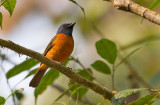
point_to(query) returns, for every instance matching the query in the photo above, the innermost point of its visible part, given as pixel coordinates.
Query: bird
(59, 49)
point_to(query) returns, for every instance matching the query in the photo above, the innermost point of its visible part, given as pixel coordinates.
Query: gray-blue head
(66, 28)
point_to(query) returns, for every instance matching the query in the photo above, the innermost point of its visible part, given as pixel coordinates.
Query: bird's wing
(50, 45)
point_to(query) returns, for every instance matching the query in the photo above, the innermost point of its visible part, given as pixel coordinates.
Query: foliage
(3, 100)
(26, 65)
(73, 1)
(76, 88)
(107, 50)
(50, 76)
(19, 95)
(31, 72)
(154, 4)
(119, 97)
(9, 5)
(144, 100)
(101, 67)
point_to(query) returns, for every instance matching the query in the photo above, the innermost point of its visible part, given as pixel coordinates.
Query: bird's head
(66, 28)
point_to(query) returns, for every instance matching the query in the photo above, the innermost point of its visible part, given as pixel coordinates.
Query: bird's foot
(69, 68)
(59, 63)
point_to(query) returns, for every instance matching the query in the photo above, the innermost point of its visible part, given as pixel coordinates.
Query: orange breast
(62, 49)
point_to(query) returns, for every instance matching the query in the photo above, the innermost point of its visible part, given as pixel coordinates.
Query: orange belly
(62, 49)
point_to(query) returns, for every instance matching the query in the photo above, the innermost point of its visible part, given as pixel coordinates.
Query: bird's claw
(59, 63)
(69, 68)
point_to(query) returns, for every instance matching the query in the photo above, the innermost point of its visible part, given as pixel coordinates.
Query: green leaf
(119, 97)
(154, 4)
(31, 72)
(17, 90)
(19, 95)
(48, 79)
(10, 5)
(73, 1)
(131, 53)
(26, 65)
(77, 88)
(1, 19)
(144, 100)
(101, 67)
(86, 74)
(2, 100)
(107, 50)
(80, 91)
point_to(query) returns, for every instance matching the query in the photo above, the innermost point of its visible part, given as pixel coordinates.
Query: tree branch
(84, 68)
(105, 92)
(129, 6)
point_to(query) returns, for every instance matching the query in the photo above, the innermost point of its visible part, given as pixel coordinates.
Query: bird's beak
(72, 24)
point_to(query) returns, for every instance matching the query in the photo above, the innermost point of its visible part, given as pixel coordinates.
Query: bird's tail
(37, 77)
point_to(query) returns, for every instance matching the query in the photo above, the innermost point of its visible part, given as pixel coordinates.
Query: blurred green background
(35, 22)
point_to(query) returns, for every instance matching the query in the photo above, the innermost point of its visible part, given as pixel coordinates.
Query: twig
(113, 69)
(78, 61)
(105, 92)
(129, 6)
